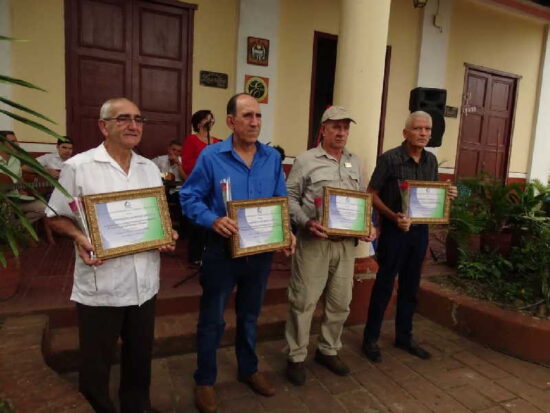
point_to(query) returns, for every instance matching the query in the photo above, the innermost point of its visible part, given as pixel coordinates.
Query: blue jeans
(219, 275)
(398, 253)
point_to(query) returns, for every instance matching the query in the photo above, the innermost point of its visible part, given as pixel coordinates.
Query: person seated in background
(202, 122)
(53, 162)
(29, 205)
(170, 163)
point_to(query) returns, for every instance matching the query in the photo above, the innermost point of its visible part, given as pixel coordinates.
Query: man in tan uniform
(321, 263)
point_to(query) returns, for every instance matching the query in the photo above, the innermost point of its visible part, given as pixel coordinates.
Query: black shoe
(333, 363)
(296, 373)
(372, 351)
(414, 349)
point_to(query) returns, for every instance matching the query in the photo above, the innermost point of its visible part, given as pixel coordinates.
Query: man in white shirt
(116, 297)
(170, 163)
(53, 162)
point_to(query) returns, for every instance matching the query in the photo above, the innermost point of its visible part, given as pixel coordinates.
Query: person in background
(171, 162)
(202, 122)
(31, 207)
(53, 162)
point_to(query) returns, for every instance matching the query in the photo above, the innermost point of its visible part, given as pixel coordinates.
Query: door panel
(485, 128)
(129, 48)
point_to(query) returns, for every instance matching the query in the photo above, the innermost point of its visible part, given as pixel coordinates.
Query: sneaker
(259, 383)
(372, 351)
(333, 363)
(414, 349)
(205, 399)
(296, 373)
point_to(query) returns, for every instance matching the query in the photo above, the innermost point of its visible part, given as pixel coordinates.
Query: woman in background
(202, 122)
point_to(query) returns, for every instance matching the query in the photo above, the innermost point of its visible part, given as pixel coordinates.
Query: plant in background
(14, 227)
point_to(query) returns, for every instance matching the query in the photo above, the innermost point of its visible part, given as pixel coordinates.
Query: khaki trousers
(319, 266)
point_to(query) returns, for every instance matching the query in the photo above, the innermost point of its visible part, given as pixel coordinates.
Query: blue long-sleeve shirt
(201, 196)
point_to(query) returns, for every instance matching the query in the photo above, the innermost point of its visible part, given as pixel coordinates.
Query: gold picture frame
(365, 230)
(131, 221)
(445, 208)
(237, 212)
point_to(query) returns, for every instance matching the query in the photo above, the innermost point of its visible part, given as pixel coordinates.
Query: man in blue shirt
(255, 171)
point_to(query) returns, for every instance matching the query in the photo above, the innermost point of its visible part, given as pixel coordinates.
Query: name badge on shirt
(347, 164)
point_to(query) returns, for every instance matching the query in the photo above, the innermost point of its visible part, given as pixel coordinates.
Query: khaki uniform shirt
(314, 170)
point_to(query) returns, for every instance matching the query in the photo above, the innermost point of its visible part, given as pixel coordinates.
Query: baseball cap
(336, 113)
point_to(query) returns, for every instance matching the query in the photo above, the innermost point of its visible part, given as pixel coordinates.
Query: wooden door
(141, 50)
(486, 122)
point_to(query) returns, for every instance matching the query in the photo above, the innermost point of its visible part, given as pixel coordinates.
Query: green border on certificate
(264, 225)
(346, 212)
(427, 202)
(127, 222)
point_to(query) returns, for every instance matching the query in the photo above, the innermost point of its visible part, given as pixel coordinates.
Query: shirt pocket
(323, 177)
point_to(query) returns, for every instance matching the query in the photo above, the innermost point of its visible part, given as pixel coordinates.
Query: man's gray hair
(416, 115)
(105, 111)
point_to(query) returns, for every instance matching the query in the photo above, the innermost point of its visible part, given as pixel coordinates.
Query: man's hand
(172, 246)
(372, 236)
(403, 222)
(452, 192)
(84, 248)
(54, 172)
(225, 226)
(292, 248)
(315, 227)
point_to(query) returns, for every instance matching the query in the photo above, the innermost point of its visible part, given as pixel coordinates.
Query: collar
(101, 155)
(227, 146)
(405, 155)
(320, 152)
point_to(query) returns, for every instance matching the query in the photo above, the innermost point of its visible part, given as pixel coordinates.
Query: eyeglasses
(127, 119)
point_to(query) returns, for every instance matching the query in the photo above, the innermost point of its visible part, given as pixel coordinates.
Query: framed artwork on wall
(257, 51)
(257, 87)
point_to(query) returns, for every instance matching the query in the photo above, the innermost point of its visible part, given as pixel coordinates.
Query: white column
(540, 146)
(360, 75)
(6, 123)
(259, 18)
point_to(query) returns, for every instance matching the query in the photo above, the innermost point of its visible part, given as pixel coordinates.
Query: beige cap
(336, 113)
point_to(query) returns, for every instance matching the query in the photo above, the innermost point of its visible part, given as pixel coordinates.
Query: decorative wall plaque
(257, 87)
(257, 51)
(213, 79)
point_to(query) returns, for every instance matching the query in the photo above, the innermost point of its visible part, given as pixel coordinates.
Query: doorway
(486, 121)
(137, 49)
(322, 81)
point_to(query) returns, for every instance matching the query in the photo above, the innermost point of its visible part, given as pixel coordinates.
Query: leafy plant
(14, 227)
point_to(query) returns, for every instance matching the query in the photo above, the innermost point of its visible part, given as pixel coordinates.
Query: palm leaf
(25, 109)
(19, 82)
(12, 39)
(32, 123)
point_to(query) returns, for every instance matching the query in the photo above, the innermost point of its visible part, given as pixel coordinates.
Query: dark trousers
(398, 253)
(99, 330)
(220, 274)
(197, 239)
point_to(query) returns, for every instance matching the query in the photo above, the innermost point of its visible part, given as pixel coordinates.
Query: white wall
(260, 18)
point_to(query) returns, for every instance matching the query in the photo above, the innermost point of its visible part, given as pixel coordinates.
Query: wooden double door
(137, 49)
(486, 122)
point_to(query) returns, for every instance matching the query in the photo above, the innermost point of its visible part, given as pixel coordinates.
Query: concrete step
(174, 334)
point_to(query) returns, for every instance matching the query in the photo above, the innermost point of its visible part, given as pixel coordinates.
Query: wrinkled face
(126, 134)
(335, 134)
(419, 132)
(247, 121)
(65, 150)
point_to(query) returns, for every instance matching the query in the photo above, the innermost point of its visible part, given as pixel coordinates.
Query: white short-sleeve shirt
(51, 161)
(123, 281)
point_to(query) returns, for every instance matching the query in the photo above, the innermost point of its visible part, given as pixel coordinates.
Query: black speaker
(432, 101)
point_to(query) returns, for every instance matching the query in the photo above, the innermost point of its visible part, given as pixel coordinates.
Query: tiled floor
(462, 376)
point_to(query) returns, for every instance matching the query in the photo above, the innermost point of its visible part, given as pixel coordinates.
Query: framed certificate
(126, 222)
(264, 225)
(426, 202)
(346, 212)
